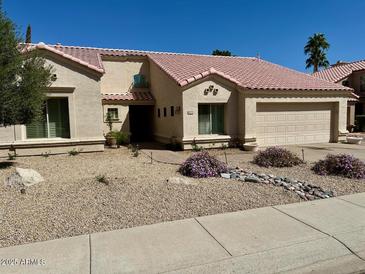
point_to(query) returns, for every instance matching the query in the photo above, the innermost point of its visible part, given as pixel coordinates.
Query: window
(164, 112)
(113, 112)
(211, 119)
(139, 81)
(172, 111)
(158, 113)
(54, 122)
(362, 83)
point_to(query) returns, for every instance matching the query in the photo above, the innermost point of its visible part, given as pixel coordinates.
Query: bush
(201, 165)
(102, 179)
(74, 152)
(121, 137)
(341, 165)
(276, 157)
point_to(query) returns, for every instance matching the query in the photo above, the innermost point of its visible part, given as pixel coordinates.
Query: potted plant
(111, 140)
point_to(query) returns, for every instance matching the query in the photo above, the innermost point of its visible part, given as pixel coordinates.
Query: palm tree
(316, 49)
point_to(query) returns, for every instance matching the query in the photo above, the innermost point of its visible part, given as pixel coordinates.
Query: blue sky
(276, 29)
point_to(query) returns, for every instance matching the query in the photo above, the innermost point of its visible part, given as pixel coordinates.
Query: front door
(141, 120)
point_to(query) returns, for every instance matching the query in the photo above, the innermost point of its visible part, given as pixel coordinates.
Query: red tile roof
(246, 72)
(337, 73)
(130, 96)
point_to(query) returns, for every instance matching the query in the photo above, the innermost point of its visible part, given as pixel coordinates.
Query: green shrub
(195, 146)
(134, 149)
(11, 157)
(121, 137)
(102, 179)
(74, 152)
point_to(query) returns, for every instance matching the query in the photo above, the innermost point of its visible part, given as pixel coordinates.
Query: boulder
(24, 177)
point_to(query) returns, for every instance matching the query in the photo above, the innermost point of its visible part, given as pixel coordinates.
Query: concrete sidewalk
(323, 236)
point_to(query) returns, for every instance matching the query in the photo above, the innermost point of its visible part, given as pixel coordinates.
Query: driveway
(314, 152)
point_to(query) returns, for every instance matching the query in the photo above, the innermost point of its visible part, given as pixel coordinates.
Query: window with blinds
(54, 122)
(211, 118)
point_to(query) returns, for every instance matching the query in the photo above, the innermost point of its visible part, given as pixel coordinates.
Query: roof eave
(42, 46)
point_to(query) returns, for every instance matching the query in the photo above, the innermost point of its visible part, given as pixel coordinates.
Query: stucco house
(349, 74)
(210, 100)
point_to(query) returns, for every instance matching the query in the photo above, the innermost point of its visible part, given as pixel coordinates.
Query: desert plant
(344, 165)
(276, 157)
(134, 149)
(102, 179)
(121, 137)
(45, 154)
(11, 157)
(109, 121)
(74, 152)
(201, 165)
(195, 146)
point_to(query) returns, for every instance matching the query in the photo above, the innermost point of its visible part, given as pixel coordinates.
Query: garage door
(288, 123)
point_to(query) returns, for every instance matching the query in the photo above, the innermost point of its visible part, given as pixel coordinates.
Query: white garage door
(292, 123)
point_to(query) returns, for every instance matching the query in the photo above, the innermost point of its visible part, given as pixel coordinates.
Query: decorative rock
(252, 179)
(23, 177)
(226, 175)
(235, 176)
(305, 190)
(242, 178)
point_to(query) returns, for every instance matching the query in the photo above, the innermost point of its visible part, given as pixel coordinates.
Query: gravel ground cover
(72, 202)
(340, 185)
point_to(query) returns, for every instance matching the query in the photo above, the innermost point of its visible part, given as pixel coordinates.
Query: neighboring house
(207, 100)
(351, 75)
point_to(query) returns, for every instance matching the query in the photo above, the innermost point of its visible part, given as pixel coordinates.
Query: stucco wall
(195, 95)
(354, 81)
(249, 100)
(166, 93)
(7, 134)
(119, 72)
(85, 109)
(123, 114)
(82, 88)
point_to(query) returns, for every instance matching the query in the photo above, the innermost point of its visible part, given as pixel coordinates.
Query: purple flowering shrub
(341, 165)
(276, 157)
(201, 165)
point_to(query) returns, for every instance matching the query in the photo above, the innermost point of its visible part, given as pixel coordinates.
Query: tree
(221, 52)
(316, 50)
(28, 36)
(24, 77)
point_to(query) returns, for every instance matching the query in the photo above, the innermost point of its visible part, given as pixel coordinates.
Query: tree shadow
(4, 165)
